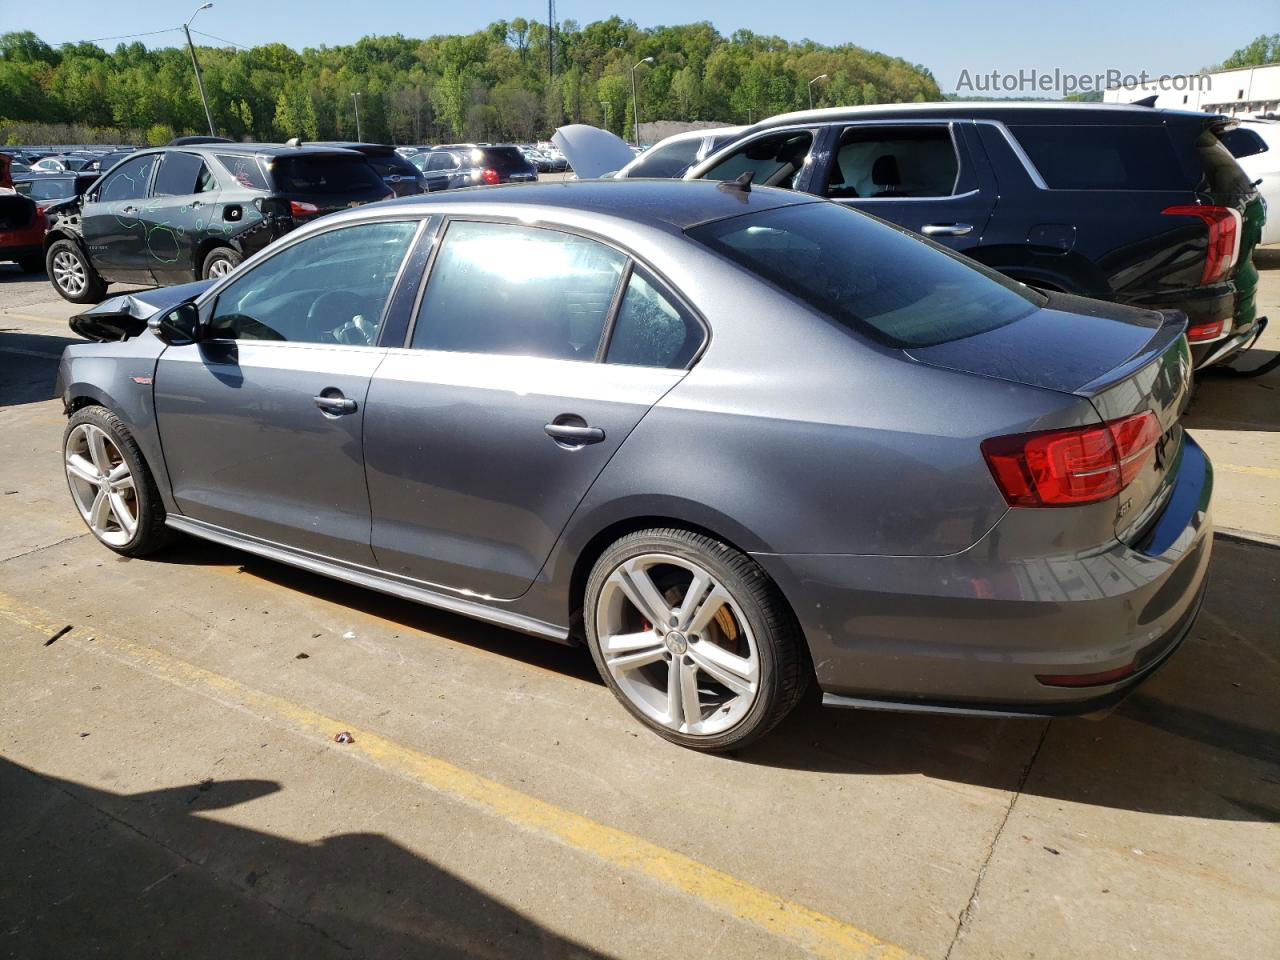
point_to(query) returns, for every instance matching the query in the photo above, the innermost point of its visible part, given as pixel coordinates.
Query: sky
(1084, 37)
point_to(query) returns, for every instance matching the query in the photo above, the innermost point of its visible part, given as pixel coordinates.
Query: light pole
(811, 83)
(355, 98)
(195, 65)
(635, 103)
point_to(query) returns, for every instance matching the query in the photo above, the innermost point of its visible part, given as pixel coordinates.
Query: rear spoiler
(1173, 327)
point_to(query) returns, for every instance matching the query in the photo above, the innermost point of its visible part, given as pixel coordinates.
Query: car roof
(662, 203)
(252, 149)
(1034, 111)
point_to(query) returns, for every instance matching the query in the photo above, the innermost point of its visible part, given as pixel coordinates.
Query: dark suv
(401, 177)
(472, 165)
(1124, 203)
(179, 214)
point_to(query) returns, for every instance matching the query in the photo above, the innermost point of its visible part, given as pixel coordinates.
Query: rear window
(670, 160)
(325, 176)
(244, 169)
(1084, 157)
(386, 165)
(1221, 172)
(889, 284)
(54, 188)
(503, 159)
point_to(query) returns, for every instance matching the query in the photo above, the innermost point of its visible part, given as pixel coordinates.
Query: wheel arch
(207, 246)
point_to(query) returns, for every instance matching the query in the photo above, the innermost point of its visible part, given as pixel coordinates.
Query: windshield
(888, 283)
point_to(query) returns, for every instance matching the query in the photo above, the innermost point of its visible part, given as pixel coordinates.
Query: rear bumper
(1220, 302)
(970, 633)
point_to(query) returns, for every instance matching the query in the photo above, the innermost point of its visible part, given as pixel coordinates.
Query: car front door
(261, 421)
(111, 221)
(919, 175)
(485, 432)
(177, 216)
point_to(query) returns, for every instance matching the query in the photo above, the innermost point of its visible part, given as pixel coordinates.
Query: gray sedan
(737, 442)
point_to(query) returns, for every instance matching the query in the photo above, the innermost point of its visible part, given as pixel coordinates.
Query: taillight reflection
(300, 209)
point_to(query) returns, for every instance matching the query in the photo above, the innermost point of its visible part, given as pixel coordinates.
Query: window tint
(1242, 142)
(1221, 172)
(905, 161)
(129, 180)
(326, 176)
(502, 159)
(886, 282)
(650, 330)
(1083, 157)
(52, 188)
(180, 174)
(329, 288)
(504, 288)
(670, 160)
(245, 170)
(776, 160)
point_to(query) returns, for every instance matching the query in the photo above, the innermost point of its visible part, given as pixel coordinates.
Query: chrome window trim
(1018, 152)
(949, 123)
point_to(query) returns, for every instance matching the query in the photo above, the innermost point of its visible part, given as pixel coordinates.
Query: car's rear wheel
(110, 484)
(219, 263)
(694, 638)
(72, 274)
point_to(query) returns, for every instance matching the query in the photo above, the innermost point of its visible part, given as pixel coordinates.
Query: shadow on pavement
(1200, 738)
(29, 364)
(89, 871)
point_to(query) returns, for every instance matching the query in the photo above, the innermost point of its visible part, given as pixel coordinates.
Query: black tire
(150, 534)
(94, 289)
(784, 665)
(31, 264)
(219, 258)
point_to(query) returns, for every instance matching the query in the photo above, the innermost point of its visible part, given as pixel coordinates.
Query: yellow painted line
(35, 318)
(818, 934)
(1273, 472)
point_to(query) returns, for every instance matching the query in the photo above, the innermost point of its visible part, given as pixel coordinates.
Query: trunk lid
(1124, 361)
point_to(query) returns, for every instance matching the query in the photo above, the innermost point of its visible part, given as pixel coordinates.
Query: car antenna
(741, 185)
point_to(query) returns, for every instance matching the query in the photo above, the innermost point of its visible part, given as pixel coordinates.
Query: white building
(1237, 93)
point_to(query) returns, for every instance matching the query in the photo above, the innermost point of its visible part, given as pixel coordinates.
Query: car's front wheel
(110, 484)
(694, 638)
(72, 274)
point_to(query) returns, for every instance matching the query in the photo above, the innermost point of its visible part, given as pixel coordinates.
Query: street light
(635, 103)
(355, 98)
(811, 83)
(195, 65)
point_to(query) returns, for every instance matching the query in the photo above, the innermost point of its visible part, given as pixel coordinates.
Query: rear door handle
(570, 434)
(335, 405)
(946, 229)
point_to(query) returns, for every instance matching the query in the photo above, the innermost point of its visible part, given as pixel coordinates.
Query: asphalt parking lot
(170, 784)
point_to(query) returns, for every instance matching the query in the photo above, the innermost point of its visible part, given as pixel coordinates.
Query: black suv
(178, 214)
(1117, 202)
(473, 165)
(401, 177)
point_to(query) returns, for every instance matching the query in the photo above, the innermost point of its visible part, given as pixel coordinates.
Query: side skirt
(370, 580)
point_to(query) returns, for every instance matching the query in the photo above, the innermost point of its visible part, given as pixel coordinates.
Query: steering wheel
(356, 330)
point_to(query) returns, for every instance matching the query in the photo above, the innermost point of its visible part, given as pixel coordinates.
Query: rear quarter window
(244, 169)
(1103, 157)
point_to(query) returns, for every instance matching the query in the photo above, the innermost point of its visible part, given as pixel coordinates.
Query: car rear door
(919, 175)
(111, 221)
(179, 215)
(485, 432)
(262, 420)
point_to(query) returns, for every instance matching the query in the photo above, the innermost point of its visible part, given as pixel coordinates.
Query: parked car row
(469, 165)
(1113, 202)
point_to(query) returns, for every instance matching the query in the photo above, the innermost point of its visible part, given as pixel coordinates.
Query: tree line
(495, 84)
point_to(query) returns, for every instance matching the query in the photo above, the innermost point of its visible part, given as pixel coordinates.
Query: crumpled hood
(126, 315)
(592, 152)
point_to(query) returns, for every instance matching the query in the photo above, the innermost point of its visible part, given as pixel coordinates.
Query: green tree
(1263, 50)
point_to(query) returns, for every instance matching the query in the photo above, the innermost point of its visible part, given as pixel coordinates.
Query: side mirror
(177, 327)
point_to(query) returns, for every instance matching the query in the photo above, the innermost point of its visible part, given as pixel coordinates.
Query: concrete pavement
(170, 783)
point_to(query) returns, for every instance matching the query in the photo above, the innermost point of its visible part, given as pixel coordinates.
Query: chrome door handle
(570, 434)
(335, 405)
(946, 229)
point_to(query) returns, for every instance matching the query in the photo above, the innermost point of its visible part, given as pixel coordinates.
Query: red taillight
(300, 208)
(490, 176)
(1224, 225)
(1204, 331)
(1066, 468)
(1087, 679)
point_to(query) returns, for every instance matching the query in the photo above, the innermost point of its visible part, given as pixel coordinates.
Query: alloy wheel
(69, 273)
(677, 644)
(102, 484)
(220, 268)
